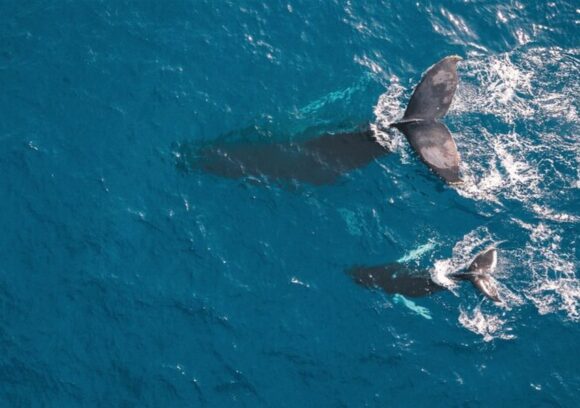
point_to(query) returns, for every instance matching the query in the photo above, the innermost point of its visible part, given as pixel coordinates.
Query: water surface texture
(130, 279)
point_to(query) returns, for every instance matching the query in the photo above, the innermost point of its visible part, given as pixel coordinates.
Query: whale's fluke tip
(454, 58)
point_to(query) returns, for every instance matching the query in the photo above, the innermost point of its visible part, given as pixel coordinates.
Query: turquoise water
(126, 281)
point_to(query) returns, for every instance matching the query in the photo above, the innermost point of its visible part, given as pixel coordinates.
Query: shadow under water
(321, 160)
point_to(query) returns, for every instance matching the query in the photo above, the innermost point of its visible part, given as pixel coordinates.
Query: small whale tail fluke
(431, 101)
(480, 273)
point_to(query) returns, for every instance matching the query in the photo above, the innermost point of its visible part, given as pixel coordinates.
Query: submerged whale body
(401, 278)
(323, 160)
(317, 161)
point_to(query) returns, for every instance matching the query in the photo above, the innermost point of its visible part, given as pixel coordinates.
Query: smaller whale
(404, 279)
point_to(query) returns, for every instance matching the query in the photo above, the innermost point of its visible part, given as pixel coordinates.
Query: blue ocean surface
(128, 279)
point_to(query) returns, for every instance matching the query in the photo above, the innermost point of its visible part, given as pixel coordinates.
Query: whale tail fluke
(431, 101)
(480, 273)
(434, 143)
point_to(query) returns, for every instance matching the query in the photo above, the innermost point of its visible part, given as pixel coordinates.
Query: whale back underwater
(317, 161)
(324, 159)
(402, 278)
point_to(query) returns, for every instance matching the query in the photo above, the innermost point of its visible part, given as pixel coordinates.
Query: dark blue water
(125, 281)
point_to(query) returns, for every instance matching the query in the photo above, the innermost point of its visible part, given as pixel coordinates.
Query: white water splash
(554, 285)
(388, 109)
(495, 86)
(295, 281)
(513, 88)
(441, 272)
(548, 213)
(489, 326)
(500, 170)
(561, 294)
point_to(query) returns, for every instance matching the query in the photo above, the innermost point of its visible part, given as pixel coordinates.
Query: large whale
(404, 279)
(323, 160)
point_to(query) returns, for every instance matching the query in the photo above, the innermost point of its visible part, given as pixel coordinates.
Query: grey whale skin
(429, 137)
(406, 280)
(324, 159)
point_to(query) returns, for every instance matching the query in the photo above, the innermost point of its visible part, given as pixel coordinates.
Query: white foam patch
(552, 215)
(295, 281)
(495, 168)
(489, 326)
(552, 295)
(508, 298)
(388, 109)
(524, 161)
(493, 85)
(553, 285)
(441, 271)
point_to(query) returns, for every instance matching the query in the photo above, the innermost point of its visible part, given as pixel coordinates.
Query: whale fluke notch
(431, 101)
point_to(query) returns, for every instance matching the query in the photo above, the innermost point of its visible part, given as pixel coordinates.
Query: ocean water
(127, 281)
